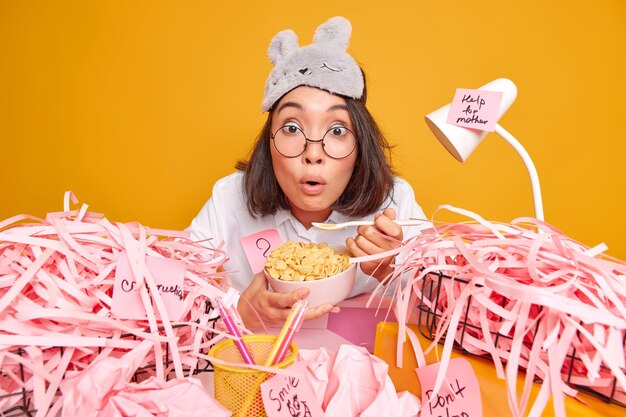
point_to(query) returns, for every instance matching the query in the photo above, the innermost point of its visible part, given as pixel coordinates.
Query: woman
(320, 157)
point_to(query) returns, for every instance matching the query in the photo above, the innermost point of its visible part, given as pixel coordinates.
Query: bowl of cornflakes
(325, 271)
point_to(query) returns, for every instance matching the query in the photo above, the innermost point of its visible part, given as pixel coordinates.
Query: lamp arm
(532, 172)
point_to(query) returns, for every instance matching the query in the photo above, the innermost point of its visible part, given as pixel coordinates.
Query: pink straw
(232, 328)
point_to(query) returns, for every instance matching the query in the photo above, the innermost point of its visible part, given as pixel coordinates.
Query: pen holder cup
(239, 389)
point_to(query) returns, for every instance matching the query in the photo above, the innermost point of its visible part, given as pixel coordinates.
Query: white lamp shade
(461, 141)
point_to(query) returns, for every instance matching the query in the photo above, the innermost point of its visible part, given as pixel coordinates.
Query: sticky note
(290, 396)
(168, 276)
(475, 109)
(458, 396)
(258, 246)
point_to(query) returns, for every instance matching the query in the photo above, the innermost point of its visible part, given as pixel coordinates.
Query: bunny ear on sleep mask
(324, 64)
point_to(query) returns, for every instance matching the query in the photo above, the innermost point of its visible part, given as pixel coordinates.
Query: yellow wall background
(140, 106)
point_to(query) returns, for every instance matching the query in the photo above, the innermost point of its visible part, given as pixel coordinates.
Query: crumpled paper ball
(352, 382)
(104, 389)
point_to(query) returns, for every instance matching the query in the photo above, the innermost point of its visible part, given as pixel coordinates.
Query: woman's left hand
(370, 240)
(272, 308)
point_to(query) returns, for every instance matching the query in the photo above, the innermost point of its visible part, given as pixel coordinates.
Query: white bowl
(331, 290)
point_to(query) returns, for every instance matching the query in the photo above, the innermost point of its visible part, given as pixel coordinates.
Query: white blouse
(225, 218)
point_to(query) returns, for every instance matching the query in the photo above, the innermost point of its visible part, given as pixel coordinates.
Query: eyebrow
(337, 107)
(289, 104)
(299, 106)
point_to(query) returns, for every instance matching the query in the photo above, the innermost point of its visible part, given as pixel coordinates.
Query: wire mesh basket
(430, 313)
(24, 404)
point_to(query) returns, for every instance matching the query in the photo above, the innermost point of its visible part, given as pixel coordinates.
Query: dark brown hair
(370, 184)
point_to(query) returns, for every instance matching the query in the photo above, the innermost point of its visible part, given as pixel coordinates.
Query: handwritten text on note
(258, 246)
(475, 109)
(168, 276)
(287, 396)
(459, 395)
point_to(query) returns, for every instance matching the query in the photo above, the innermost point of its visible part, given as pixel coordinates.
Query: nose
(314, 152)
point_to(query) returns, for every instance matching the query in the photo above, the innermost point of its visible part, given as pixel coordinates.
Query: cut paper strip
(56, 283)
(524, 294)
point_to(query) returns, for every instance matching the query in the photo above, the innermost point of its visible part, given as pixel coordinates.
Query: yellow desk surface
(493, 390)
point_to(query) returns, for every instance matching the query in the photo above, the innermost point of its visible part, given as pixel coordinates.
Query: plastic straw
(291, 333)
(232, 328)
(281, 345)
(296, 310)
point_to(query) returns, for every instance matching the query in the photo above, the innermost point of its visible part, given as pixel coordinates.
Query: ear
(282, 45)
(335, 32)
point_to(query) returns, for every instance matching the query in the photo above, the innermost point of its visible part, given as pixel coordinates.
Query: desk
(493, 390)
(334, 330)
(355, 324)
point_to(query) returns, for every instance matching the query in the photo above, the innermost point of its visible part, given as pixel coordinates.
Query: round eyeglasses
(338, 142)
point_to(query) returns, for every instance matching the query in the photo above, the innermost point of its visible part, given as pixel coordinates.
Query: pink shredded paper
(56, 284)
(525, 294)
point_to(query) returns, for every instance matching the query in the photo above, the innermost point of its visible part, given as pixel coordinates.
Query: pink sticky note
(168, 276)
(289, 396)
(358, 325)
(258, 246)
(459, 395)
(475, 109)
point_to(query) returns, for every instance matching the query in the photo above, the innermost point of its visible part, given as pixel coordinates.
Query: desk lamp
(461, 141)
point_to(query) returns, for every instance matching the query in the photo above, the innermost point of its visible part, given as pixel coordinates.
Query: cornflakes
(299, 261)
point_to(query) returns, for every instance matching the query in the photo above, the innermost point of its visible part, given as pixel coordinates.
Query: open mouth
(312, 186)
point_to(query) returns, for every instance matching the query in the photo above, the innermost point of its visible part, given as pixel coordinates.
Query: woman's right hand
(272, 307)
